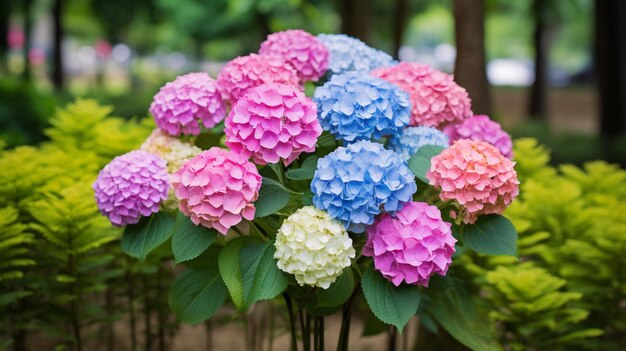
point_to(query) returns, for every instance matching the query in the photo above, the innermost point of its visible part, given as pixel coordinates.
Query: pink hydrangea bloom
(192, 98)
(411, 247)
(131, 186)
(216, 188)
(481, 127)
(246, 72)
(273, 122)
(477, 176)
(307, 54)
(435, 98)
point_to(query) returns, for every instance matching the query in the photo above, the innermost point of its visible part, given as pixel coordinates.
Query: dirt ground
(569, 109)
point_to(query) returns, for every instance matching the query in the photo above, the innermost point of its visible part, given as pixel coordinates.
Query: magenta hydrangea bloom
(476, 175)
(481, 127)
(131, 186)
(216, 188)
(436, 99)
(180, 106)
(307, 54)
(412, 246)
(246, 72)
(273, 122)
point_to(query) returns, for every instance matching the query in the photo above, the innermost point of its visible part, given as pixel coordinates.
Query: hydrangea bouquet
(369, 187)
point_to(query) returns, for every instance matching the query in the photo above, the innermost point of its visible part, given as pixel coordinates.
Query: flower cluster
(170, 149)
(412, 246)
(350, 54)
(313, 247)
(131, 186)
(273, 122)
(435, 98)
(246, 72)
(303, 51)
(355, 106)
(476, 175)
(180, 106)
(354, 183)
(481, 127)
(412, 138)
(216, 188)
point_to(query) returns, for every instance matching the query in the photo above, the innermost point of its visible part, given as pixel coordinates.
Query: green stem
(292, 322)
(344, 335)
(306, 344)
(321, 330)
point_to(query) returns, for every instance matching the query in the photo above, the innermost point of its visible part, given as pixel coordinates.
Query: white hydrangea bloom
(313, 247)
(174, 152)
(171, 149)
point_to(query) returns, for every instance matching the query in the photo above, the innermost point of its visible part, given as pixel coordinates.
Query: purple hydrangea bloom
(131, 186)
(483, 128)
(356, 106)
(355, 183)
(180, 106)
(412, 138)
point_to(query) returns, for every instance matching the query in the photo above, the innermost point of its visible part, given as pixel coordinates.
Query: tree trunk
(537, 108)
(4, 33)
(610, 55)
(399, 23)
(470, 67)
(355, 18)
(57, 60)
(27, 6)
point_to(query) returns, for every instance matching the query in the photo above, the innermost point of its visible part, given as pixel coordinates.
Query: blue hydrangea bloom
(355, 183)
(356, 106)
(350, 54)
(412, 138)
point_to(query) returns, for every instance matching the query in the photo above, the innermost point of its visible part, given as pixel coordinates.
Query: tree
(610, 55)
(57, 60)
(355, 18)
(537, 107)
(470, 66)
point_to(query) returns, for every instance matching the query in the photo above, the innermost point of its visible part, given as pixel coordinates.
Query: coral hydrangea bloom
(180, 106)
(216, 188)
(347, 54)
(355, 183)
(477, 176)
(435, 98)
(313, 247)
(412, 246)
(246, 72)
(131, 186)
(481, 127)
(412, 138)
(356, 106)
(273, 122)
(307, 54)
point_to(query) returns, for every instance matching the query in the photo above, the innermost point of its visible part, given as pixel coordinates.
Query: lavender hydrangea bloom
(355, 183)
(481, 127)
(350, 54)
(412, 138)
(131, 186)
(355, 106)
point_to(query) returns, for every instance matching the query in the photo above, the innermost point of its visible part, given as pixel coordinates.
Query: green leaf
(305, 172)
(451, 305)
(261, 277)
(230, 269)
(190, 240)
(492, 235)
(141, 238)
(419, 163)
(207, 140)
(197, 294)
(373, 326)
(272, 197)
(339, 291)
(391, 304)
